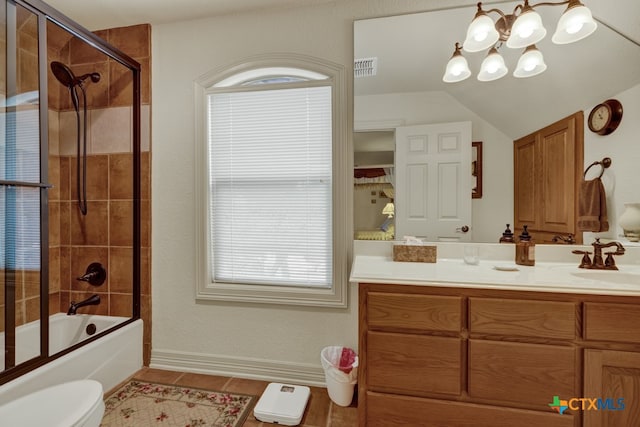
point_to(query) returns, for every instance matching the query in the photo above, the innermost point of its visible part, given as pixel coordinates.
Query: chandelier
(521, 29)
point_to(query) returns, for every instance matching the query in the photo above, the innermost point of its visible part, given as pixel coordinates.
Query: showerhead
(63, 74)
(66, 76)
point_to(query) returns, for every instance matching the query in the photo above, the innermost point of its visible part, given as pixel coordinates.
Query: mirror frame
(476, 169)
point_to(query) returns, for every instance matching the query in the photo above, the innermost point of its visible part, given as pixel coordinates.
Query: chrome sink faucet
(598, 263)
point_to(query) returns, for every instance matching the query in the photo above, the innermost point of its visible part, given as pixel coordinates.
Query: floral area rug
(141, 404)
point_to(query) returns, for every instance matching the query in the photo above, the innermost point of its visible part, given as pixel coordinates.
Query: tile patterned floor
(320, 412)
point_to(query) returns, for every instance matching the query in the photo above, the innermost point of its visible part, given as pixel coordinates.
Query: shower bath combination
(41, 232)
(66, 77)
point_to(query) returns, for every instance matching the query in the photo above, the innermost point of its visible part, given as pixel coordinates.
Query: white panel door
(433, 181)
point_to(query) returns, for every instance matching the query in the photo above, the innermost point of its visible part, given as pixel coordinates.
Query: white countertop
(543, 277)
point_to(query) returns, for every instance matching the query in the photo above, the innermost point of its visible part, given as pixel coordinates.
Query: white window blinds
(20, 206)
(270, 186)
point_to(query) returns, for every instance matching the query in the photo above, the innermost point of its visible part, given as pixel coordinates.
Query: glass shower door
(22, 191)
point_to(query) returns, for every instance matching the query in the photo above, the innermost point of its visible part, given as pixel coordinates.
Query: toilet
(72, 404)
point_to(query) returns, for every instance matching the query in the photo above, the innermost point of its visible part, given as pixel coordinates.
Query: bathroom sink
(609, 276)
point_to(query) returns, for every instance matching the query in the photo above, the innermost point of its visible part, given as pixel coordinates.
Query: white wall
(495, 208)
(255, 340)
(622, 179)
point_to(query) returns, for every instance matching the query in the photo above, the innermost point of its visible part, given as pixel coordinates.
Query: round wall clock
(605, 117)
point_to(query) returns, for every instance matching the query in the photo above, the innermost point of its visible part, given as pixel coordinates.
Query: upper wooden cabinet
(547, 175)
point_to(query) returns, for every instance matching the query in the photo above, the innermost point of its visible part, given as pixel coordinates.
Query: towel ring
(604, 163)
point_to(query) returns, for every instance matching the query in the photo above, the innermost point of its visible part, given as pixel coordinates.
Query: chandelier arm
(548, 3)
(498, 11)
(519, 7)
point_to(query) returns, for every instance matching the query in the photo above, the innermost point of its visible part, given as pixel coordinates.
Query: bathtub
(110, 359)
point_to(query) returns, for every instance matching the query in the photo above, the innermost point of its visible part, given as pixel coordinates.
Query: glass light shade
(531, 63)
(388, 210)
(526, 30)
(575, 24)
(457, 69)
(481, 34)
(493, 67)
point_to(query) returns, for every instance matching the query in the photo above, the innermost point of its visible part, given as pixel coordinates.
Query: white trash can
(340, 366)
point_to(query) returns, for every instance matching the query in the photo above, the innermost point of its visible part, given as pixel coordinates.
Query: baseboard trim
(239, 367)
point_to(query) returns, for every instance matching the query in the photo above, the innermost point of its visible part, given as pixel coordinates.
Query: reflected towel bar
(604, 163)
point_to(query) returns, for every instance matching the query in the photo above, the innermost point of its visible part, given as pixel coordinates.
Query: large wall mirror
(411, 52)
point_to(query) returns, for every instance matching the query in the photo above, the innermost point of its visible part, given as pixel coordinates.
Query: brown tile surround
(104, 235)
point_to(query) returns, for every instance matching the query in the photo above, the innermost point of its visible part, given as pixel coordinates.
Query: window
(272, 184)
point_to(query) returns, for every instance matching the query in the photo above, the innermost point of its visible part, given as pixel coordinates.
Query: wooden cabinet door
(525, 178)
(558, 167)
(547, 175)
(609, 376)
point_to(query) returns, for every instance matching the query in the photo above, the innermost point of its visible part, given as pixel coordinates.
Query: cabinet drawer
(522, 373)
(407, 364)
(525, 318)
(385, 410)
(414, 312)
(612, 322)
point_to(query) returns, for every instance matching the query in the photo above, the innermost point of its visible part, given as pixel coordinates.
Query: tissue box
(415, 253)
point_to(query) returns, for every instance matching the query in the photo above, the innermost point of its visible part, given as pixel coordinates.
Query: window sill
(282, 295)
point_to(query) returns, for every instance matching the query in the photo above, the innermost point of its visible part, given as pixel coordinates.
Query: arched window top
(270, 75)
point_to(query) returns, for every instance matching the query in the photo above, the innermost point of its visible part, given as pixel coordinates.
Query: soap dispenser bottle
(507, 236)
(525, 249)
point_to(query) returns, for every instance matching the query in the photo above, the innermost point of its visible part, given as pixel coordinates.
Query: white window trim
(337, 295)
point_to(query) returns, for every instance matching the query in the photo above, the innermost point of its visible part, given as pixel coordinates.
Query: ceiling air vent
(365, 67)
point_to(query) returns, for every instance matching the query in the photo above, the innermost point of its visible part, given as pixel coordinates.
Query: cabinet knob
(462, 229)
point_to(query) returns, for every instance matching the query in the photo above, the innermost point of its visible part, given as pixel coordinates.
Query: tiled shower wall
(105, 234)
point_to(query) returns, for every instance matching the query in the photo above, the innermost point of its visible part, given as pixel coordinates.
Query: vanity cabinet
(547, 175)
(439, 355)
